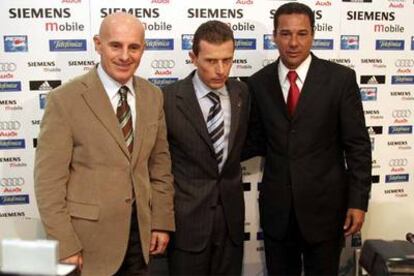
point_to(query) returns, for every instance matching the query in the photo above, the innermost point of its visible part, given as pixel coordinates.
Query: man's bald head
(120, 18)
(120, 44)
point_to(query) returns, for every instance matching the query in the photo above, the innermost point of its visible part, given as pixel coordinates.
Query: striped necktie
(123, 112)
(215, 126)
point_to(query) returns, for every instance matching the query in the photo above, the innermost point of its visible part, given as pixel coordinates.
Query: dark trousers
(134, 263)
(286, 257)
(220, 257)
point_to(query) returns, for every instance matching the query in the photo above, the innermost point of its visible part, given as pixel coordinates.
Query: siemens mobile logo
(30, 13)
(245, 43)
(392, 178)
(14, 200)
(187, 41)
(12, 144)
(387, 44)
(349, 42)
(400, 129)
(323, 44)
(268, 43)
(67, 45)
(368, 93)
(159, 44)
(10, 86)
(402, 79)
(161, 82)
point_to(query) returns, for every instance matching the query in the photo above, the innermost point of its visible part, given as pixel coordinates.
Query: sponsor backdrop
(46, 43)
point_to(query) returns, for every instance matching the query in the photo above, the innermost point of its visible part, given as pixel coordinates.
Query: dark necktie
(293, 95)
(123, 112)
(215, 126)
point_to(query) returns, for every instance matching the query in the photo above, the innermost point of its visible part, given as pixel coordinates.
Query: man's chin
(216, 85)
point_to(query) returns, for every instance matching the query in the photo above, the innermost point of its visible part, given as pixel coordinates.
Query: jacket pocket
(83, 210)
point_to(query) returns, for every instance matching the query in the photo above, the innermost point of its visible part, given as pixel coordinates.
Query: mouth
(293, 54)
(123, 67)
(218, 80)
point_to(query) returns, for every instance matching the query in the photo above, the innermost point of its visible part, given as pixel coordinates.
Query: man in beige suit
(103, 172)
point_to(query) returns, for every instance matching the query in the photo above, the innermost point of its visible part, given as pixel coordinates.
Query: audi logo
(163, 63)
(9, 125)
(404, 63)
(11, 181)
(401, 113)
(7, 67)
(267, 61)
(398, 162)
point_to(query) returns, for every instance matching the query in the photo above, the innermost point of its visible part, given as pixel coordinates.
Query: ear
(274, 37)
(98, 43)
(193, 57)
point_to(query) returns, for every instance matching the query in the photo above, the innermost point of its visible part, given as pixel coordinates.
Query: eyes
(115, 46)
(226, 61)
(288, 34)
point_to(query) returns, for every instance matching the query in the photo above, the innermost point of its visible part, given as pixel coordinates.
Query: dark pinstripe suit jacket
(198, 184)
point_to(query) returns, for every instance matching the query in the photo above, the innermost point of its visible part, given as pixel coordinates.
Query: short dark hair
(292, 8)
(212, 31)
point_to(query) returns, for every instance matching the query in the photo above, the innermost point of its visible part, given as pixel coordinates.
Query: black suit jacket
(199, 186)
(318, 161)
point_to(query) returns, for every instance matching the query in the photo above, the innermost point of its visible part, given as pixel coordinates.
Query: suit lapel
(140, 108)
(312, 86)
(188, 104)
(235, 107)
(99, 103)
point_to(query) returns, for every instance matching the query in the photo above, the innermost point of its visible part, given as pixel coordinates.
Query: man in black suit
(307, 120)
(207, 118)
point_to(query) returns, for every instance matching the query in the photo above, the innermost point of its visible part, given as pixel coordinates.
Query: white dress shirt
(302, 71)
(112, 87)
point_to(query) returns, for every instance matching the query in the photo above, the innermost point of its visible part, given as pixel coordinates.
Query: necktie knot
(213, 97)
(123, 92)
(292, 76)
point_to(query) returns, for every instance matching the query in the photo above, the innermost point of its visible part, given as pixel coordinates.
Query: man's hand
(353, 221)
(159, 242)
(75, 259)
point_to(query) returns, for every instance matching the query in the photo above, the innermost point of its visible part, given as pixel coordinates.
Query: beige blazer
(85, 178)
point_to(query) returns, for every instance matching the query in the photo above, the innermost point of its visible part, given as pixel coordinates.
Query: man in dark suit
(307, 120)
(206, 121)
(103, 177)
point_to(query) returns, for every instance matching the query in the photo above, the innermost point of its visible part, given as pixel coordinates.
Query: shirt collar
(111, 86)
(201, 89)
(301, 70)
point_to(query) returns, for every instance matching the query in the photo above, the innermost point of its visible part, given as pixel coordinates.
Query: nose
(220, 68)
(124, 54)
(293, 42)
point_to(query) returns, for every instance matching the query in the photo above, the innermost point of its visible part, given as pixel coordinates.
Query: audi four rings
(9, 125)
(7, 67)
(11, 181)
(401, 113)
(398, 162)
(404, 63)
(163, 63)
